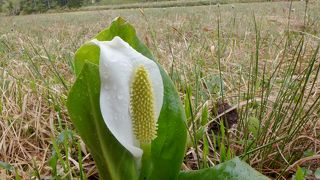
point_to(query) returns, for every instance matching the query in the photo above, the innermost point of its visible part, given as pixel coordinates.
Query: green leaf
(299, 174)
(223, 153)
(187, 105)
(309, 152)
(6, 166)
(234, 169)
(199, 135)
(167, 150)
(65, 135)
(119, 27)
(112, 160)
(53, 161)
(204, 114)
(253, 125)
(17, 177)
(205, 151)
(317, 173)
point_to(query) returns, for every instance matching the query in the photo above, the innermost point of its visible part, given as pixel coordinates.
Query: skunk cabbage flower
(131, 94)
(126, 108)
(115, 106)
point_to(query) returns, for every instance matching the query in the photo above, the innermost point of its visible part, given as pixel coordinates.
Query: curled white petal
(118, 60)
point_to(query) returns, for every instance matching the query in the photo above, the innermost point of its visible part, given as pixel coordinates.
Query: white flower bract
(118, 61)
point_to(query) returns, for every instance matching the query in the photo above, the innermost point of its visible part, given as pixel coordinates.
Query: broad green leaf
(87, 52)
(119, 27)
(234, 169)
(167, 149)
(112, 160)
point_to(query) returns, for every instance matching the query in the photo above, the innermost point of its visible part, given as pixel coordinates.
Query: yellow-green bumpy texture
(142, 107)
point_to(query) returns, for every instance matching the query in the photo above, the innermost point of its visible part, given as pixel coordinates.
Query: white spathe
(118, 61)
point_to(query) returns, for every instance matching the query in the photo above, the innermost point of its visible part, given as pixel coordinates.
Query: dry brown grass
(36, 50)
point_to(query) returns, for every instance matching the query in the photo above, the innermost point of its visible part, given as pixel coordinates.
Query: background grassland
(254, 57)
(104, 5)
(113, 2)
